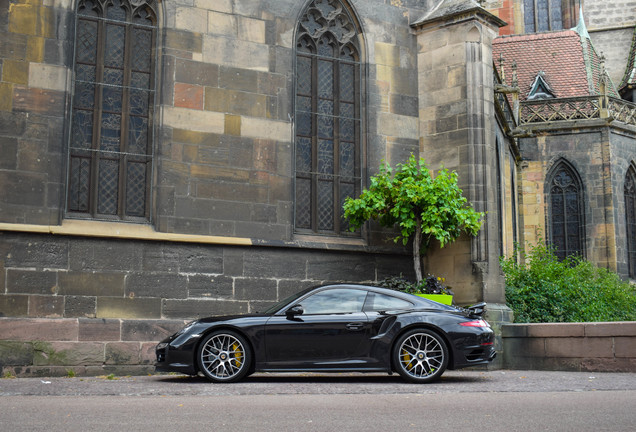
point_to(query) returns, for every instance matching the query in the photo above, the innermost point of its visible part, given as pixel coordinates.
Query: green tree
(424, 207)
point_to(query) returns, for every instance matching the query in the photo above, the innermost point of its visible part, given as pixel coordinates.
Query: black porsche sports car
(334, 328)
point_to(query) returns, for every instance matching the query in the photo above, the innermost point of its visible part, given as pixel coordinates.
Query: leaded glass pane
(79, 184)
(325, 157)
(116, 11)
(137, 135)
(113, 76)
(543, 18)
(347, 81)
(325, 205)
(347, 160)
(528, 15)
(325, 79)
(111, 98)
(84, 96)
(303, 154)
(85, 72)
(139, 102)
(303, 83)
(303, 203)
(325, 126)
(82, 129)
(136, 189)
(114, 50)
(325, 106)
(86, 45)
(303, 123)
(347, 131)
(108, 186)
(111, 131)
(141, 50)
(140, 80)
(303, 103)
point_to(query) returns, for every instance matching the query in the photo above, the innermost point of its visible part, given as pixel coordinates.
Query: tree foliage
(423, 206)
(545, 289)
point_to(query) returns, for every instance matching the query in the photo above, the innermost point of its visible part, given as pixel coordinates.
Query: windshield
(278, 306)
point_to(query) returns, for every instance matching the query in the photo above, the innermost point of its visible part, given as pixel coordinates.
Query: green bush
(574, 290)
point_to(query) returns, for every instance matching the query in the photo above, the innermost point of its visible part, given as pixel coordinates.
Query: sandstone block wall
(602, 347)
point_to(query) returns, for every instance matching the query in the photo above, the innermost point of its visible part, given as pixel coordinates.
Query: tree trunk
(417, 244)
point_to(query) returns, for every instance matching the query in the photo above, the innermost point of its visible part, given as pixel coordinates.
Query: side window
(381, 302)
(334, 301)
(630, 215)
(565, 205)
(328, 117)
(110, 148)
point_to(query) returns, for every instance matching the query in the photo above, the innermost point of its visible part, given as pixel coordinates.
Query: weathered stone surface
(255, 289)
(163, 285)
(99, 330)
(122, 353)
(210, 286)
(68, 353)
(14, 305)
(78, 283)
(149, 330)
(34, 329)
(193, 309)
(31, 282)
(80, 307)
(119, 307)
(15, 353)
(45, 306)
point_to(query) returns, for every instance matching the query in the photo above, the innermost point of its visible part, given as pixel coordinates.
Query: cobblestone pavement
(319, 384)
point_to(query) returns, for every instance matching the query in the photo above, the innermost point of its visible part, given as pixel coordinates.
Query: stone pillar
(457, 127)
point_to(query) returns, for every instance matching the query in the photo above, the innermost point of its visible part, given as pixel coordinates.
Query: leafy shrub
(430, 285)
(573, 290)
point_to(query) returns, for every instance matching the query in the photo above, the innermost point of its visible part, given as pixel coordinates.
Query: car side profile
(334, 328)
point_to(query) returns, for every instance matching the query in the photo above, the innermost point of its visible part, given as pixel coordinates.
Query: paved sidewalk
(320, 384)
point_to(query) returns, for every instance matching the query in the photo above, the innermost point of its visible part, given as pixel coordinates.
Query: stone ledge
(591, 347)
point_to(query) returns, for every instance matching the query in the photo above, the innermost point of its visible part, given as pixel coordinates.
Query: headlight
(187, 327)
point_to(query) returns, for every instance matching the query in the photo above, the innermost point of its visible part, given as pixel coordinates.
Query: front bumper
(171, 359)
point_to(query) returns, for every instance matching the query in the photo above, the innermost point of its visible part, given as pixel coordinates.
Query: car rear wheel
(224, 356)
(420, 356)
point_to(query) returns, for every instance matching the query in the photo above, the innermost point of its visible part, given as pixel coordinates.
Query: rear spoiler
(475, 310)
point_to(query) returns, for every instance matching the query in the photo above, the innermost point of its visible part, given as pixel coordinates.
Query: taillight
(475, 323)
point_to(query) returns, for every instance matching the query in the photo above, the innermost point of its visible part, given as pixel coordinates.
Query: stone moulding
(577, 108)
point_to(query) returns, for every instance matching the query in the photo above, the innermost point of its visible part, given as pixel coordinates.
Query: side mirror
(294, 310)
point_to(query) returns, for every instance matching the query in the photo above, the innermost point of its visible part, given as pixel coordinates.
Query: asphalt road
(490, 401)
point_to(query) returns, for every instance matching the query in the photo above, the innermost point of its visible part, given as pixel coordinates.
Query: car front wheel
(420, 356)
(224, 356)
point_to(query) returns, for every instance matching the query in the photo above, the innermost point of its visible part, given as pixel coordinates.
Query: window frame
(629, 196)
(576, 182)
(307, 220)
(89, 206)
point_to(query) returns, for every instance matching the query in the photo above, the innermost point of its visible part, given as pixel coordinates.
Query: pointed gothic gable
(540, 88)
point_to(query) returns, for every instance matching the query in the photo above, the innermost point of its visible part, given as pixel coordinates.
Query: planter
(446, 299)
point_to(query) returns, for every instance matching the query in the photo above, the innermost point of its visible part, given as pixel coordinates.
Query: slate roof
(629, 78)
(571, 65)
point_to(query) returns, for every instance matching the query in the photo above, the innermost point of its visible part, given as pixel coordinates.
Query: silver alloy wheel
(422, 356)
(223, 357)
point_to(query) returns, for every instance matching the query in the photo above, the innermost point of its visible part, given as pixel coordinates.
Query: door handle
(355, 326)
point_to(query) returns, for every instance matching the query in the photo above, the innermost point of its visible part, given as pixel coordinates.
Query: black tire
(224, 356)
(420, 356)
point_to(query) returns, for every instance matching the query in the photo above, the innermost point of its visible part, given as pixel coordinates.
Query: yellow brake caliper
(238, 354)
(407, 359)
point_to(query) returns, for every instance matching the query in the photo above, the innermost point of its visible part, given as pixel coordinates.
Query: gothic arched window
(328, 94)
(110, 149)
(630, 215)
(565, 201)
